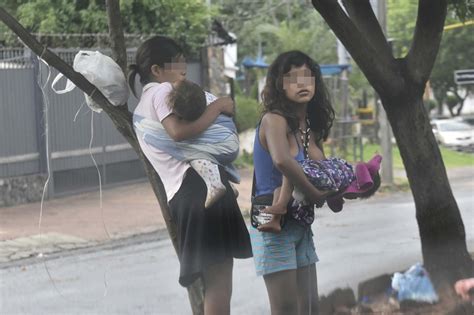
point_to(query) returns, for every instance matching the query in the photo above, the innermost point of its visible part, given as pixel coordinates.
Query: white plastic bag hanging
(103, 72)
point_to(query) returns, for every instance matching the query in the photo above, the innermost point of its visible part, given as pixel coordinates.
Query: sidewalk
(78, 221)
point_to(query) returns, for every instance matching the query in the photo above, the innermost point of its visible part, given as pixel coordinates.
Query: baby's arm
(179, 129)
(281, 198)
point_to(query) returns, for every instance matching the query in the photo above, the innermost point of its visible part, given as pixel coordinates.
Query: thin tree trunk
(122, 120)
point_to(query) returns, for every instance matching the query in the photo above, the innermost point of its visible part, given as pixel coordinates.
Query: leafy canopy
(185, 20)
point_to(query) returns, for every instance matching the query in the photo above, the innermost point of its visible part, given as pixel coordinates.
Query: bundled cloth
(219, 143)
(415, 285)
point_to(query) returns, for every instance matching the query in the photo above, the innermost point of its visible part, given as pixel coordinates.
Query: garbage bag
(103, 72)
(415, 285)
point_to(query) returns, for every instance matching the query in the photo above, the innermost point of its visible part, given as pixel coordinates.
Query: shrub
(247, 113)
(430, 105)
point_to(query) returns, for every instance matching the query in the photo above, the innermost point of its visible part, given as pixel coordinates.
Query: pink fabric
(364, 174)
(153, 105)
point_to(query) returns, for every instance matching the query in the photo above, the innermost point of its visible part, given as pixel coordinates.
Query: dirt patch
(376, 297)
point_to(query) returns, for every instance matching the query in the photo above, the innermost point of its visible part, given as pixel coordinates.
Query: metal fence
(31, 112)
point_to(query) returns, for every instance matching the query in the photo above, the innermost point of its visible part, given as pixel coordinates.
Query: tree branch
(362, 15)
(122, 120)
(117, 40)
(121, 117)
(427, 38)
(380, 68)
(119, 53)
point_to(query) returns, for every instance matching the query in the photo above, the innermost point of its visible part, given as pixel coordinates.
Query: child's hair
(187, 100)
(373, 189)
(157, 50)
(320, 112)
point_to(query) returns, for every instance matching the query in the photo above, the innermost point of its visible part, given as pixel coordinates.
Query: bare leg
(218, 288)
(209, 172)
(281, 198)
(282, 292)
(308, 301)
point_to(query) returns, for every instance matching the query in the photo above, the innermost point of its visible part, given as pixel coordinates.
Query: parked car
(467, 119)
(453, 133)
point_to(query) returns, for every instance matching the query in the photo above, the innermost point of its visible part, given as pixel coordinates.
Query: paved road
(139, 276)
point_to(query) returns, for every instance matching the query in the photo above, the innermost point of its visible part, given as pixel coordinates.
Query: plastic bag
(103, 72)
(415, 285)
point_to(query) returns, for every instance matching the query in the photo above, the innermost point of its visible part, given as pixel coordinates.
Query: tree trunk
(400, 84)
(121, 118)
(443, 238)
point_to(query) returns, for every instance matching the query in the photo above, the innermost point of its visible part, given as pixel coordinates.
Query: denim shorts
(292, 248)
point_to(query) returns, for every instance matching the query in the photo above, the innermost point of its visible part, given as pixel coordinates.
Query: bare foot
(276, 209)
(273, 226)
(214, 194)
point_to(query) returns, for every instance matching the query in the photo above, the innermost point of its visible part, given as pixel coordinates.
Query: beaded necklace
(305, 135)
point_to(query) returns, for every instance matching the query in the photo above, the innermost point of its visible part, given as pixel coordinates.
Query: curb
(32, 255)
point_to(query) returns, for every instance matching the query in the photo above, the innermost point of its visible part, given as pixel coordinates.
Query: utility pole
(385, 129)
(344, 128)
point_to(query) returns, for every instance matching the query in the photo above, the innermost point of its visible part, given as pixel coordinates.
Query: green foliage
(247, 112)
(401, 21)
(463, 9)
(291, 35)
(279, 27)
(457, 45)
(451, 101)
(237, 88)
(451, 158)
(254, 91)
(244, 160)
(430, 105)
(185, 20)
(456, 51)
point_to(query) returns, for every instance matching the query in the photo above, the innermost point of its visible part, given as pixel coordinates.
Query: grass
(451, 158)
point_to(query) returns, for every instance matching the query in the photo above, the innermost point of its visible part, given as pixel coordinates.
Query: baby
(188, 101)
(332, 174)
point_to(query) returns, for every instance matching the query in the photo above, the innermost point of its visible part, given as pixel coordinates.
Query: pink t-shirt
(153, 105)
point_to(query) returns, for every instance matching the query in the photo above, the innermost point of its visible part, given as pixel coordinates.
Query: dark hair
(157, 50)
(187, 100)
(319, 112)
(373, 189)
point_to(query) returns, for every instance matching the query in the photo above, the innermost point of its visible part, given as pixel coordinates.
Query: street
(139, 276)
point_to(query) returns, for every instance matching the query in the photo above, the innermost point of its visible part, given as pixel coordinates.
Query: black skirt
(206, 236)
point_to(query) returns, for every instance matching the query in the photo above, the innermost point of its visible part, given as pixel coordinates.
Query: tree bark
(117, 39)
(378, 66)
(363, 16)
(120, 116)
(401, 88)
(442, 233)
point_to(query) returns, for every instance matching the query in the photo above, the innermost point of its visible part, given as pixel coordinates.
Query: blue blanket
(219, 143)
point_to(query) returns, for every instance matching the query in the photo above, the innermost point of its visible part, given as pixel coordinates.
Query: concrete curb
(38, 248)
